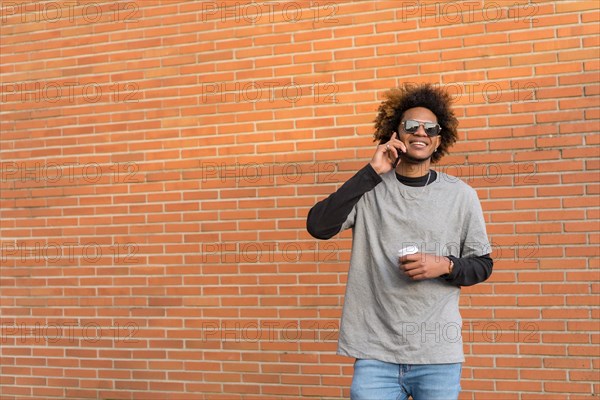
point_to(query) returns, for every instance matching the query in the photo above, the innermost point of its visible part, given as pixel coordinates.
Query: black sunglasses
(411, 126)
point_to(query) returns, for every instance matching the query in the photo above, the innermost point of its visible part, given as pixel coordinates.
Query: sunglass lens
(411, 126)
(431, 129)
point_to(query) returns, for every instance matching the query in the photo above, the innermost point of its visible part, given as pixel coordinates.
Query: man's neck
(413, 170)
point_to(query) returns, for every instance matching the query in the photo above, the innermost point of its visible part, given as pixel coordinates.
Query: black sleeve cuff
(469, 271)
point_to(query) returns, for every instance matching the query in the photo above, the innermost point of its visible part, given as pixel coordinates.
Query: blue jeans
(378, 380)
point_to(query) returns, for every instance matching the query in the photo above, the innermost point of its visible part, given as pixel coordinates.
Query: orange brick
(170, 108)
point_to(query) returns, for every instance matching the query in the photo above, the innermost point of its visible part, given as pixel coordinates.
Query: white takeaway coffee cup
(408, 250)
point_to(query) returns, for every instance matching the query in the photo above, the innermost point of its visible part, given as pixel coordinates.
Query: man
(400, 318)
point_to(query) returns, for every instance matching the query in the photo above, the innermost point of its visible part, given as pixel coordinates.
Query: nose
(421, 130)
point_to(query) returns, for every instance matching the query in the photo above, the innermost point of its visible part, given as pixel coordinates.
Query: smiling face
(419, 146)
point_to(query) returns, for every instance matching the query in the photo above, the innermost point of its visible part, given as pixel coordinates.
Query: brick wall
(158, 160)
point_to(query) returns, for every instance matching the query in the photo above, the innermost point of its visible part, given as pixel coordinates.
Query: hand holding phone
(387, 155)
